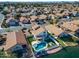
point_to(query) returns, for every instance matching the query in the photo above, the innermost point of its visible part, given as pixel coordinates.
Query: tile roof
(14, 38)
(70, 25)
(76, 22)
(42, 16)
(54, 29)
(35, 26)
(33, 18)
(37, 30)
(22, 18)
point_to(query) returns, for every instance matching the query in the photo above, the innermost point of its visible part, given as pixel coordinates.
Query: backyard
(50, 43)
(61, 42)
(69, 41)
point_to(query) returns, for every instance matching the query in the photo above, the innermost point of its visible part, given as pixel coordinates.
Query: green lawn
(69, 41)
(30, 39)
(68, 52)
(61, 42)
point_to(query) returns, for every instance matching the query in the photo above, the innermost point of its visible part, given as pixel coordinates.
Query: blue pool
(39, 46)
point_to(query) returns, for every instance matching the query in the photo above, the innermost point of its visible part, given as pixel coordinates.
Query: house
(25, 22)
(15, 41)
(33, 18)
(22, 18)
(70, 26)
(42, 17)
(38, 32)
(53, 29)
(76, 22)
(13, 22)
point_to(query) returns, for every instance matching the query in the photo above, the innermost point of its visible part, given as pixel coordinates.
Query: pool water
(40, 46)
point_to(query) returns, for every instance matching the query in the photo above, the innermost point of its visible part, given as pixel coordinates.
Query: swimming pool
(40, 46)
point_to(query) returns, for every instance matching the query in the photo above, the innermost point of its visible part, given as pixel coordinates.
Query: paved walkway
(54, 50)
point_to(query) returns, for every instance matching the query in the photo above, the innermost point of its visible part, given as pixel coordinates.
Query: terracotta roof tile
(14, 38)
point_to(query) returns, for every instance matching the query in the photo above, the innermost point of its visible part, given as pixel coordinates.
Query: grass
(61, 42)
(52, 44)
(69, 41)
(75, 38)
(68, 52)
(30, 39)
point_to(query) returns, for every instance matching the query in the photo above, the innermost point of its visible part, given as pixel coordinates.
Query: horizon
(38, 0)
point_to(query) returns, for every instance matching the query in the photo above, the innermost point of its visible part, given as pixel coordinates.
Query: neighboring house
(42, 17)
(70, 26)
(54, 30)
(76, 22)
(25, 22)
(1, 19)
(13, 22)
(15, 41)
(22, 18)
(38, 32)
(33, 18)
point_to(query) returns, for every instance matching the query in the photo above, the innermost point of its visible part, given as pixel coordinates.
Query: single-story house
(13, 22)
(25, 22)
(38, 32)
(53, 29)
(76, 22)
(70, 26)
(33, 18)
(15, 41)
(42, 17)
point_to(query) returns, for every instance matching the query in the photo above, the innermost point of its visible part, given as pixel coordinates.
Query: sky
(35, 0)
